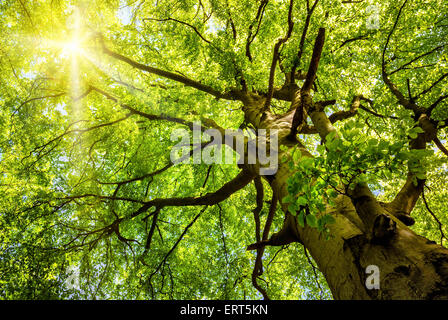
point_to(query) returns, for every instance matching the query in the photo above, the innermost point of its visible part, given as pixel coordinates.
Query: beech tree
(93, 205)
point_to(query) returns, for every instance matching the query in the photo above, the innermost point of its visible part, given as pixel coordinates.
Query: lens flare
(72, 47)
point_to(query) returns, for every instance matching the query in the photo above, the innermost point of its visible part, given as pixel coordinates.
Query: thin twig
(442, 235)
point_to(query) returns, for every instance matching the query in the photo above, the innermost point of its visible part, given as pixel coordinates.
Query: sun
(72, 47)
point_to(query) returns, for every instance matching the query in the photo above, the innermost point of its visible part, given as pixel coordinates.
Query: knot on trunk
(384, 228)
(404, 217)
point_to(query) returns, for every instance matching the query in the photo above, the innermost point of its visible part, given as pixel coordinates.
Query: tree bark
(364, 233)
(411, 267)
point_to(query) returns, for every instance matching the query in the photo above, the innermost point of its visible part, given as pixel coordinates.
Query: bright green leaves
(325, 220)
(413, 133)
(32, 68)
(301, 201)
(301, 218)
(341, 163)
(418, 160)
(311, 220)
(309, 192)
(357, 158)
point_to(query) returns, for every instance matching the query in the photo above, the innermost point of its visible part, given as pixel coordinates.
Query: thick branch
(209, 199)
(440, 146)
(258, 266)
(260, 195)
(303, 99)
(404, 202)
(276, 56)
(144, 114)
(303, 37)
(341, 115)
(380, 226)
(315, 58)
(155, 216)
(435, 104)
(432, 85)
(258, 18)
(172, 76)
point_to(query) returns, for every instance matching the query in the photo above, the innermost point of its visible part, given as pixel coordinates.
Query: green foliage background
(39, 84)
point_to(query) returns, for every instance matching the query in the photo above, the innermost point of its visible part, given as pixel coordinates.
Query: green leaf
(418, 130)
(413, 133)
(301, 201)
(301, 219)
(328, 219)
(330, 137)
(321, 149)
(292, 209)
(311, 220)
(297, 155)
(421, 175)
(307, 163)
(332, 193)
(288, 199)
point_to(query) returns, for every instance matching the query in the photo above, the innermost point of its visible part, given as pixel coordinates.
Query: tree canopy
(92, 91)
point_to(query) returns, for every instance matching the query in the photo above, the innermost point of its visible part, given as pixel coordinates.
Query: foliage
(61, 142)
(352, 159)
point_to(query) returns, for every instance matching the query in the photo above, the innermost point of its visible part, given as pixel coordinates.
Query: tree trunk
(365, 233)
(410, 266)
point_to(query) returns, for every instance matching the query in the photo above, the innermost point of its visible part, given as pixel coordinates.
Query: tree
(92, 94)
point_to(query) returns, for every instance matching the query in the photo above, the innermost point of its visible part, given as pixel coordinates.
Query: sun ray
(73, 48)
(114, 75)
